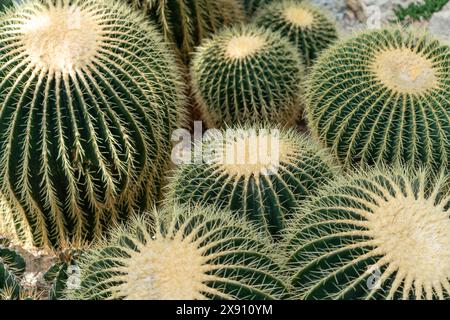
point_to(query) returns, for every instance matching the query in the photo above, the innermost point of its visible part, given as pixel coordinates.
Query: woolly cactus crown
(187, 253)
(247, 74)
(88, 98)
(383, 96)
(384, 234)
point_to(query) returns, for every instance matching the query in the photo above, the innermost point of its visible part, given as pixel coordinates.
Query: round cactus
(185, 23)
(307, 27)
(89, 98)
(187, 254)
(383, 234)
(260, 174)
(383, 96)
(248, 74)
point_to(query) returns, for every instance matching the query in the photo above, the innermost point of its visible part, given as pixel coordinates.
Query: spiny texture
(378, 235)
(260, 174)
(383, 96)
(12, 268)
(252, 6)
(192, 254)
(6, 3)
(248, 74)
(185, 23)
(89, 98)
(307, 27)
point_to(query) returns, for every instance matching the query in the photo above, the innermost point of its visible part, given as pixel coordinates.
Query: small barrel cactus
(248, 74)
(382, 234)
(87, 105)
(383, 96)
(260, 174)
(185, 254)
(185, 23)
(307, 27)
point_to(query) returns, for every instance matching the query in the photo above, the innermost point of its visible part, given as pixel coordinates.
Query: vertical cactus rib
(89, 95)
(247, 74)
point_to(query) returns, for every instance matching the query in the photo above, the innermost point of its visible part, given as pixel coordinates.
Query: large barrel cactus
(89, 98)
(383, 96)
(248, 74)
(185, 23)
(185, 254)
(257, 173)
(384, 234)
(309, 28)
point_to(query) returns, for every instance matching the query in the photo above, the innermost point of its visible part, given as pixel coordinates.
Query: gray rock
(440, 24)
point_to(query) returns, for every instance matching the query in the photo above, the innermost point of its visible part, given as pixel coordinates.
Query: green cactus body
(5, 4)
(248, 74)
(251, 6)
(384, 234)
(88, 100)
(307, 27)
(187, 254)
(185, 23)
(383, 96)
(260, 174)
(12, 268)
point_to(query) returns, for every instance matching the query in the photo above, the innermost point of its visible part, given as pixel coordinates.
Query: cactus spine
(187, 253)
(88, 99)
(248, 74)
(185, 23)
(257, 173)
(12, 268)
(307, 27)
(383, 96)
(384, 234)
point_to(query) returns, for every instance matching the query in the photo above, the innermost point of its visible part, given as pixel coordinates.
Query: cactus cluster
(354, 203)
(89, 96)
(307, 27)
(382, 234)
(248, 74)
(185, 23)
(383, 96)
(185, 253)
(260, 174)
